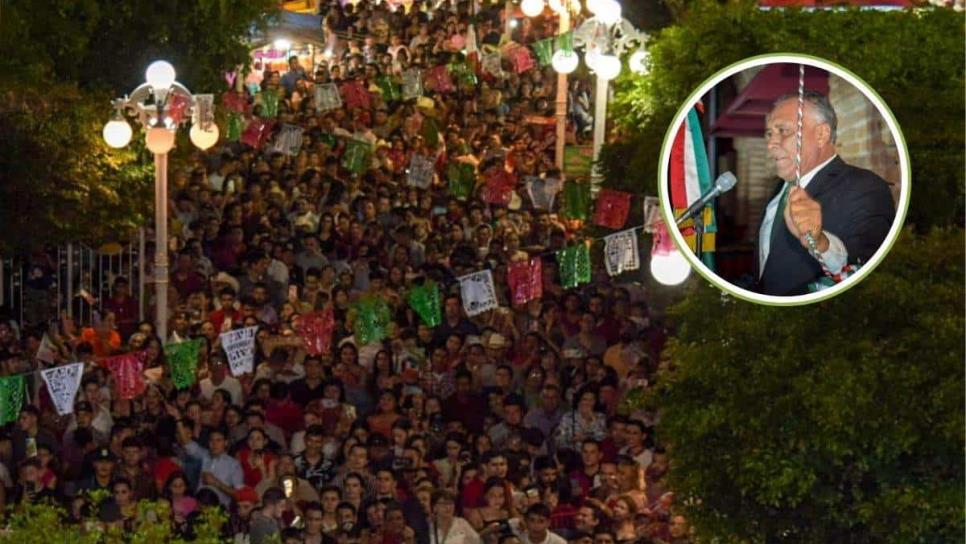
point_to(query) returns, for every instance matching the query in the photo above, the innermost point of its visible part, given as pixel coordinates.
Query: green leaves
(58, 180)
(47, 524)
(827, 420)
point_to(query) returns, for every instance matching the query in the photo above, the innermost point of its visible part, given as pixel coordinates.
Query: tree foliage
(835, 422)
(59, 181)
(913, 59)
(63, 61)
(47, 524)
(101, 44)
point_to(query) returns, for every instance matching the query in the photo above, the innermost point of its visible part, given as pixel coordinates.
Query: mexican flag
(690, 177)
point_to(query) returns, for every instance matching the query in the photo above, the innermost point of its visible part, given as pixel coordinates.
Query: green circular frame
(904, 170)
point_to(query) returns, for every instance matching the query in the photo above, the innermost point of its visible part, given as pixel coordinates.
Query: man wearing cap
(104, 465)
(240, 521)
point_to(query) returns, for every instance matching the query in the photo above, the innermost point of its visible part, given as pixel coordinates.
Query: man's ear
(823, 133)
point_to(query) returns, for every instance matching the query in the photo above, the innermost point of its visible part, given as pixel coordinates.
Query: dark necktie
(779, 215)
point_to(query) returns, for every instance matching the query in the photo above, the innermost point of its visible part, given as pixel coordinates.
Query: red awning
(745, 115)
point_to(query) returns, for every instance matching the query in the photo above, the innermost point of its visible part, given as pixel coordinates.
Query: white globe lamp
(670, 269)
(594, 5)
(532, 8)
(638, 61)
(609, 12)
(607, 66)
(204, 139)
(159, 140)
(160, 74)
(117, 133)
(564, 62)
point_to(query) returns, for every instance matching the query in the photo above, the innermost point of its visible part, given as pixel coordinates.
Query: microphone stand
(699, 234)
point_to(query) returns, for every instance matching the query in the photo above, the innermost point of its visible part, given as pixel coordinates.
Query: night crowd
(515, 426)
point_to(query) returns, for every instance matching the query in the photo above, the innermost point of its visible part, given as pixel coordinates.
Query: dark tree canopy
(836, 422)
(63, 61)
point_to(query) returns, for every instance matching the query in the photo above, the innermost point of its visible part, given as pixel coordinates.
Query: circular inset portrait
(785, 179)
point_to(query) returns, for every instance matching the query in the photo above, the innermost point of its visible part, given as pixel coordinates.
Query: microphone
(723, 184)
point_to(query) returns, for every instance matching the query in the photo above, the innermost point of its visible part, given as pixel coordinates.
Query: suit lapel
(826, 178)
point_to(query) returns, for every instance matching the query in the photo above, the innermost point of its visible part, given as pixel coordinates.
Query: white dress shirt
(460, 532)
(835, 257)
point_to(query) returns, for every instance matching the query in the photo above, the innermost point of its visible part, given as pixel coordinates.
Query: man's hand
(803, 214)
(209, 479)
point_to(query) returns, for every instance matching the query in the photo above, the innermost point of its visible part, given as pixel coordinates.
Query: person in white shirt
(446, 527)
(219, 378)
(535, 527)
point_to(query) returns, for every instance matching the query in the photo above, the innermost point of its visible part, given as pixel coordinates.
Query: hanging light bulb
(556, 5)
(160, 75)
(594, 5)
(668, 266)
(638, 61)
(607, 66)
(670, 269)
(117, 133)
(159, 140)
(609, 12)
(202, 138)
(563, 61)
(532, 8)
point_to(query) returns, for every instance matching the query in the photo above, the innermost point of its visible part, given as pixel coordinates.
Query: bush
(836, 422)
(47, 524)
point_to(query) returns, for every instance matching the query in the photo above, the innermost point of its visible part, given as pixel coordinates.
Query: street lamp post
(534, 8)
(160, 105)
(606, 37)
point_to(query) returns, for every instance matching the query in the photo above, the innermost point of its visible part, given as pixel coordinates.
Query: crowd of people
(513, 426)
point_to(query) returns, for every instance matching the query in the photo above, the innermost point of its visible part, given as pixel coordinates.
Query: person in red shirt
(185, 278)
(124, 306)
(281, 411)
(257, 462)
(227, 311)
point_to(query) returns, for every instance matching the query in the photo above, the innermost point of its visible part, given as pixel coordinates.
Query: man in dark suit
(848, 210)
